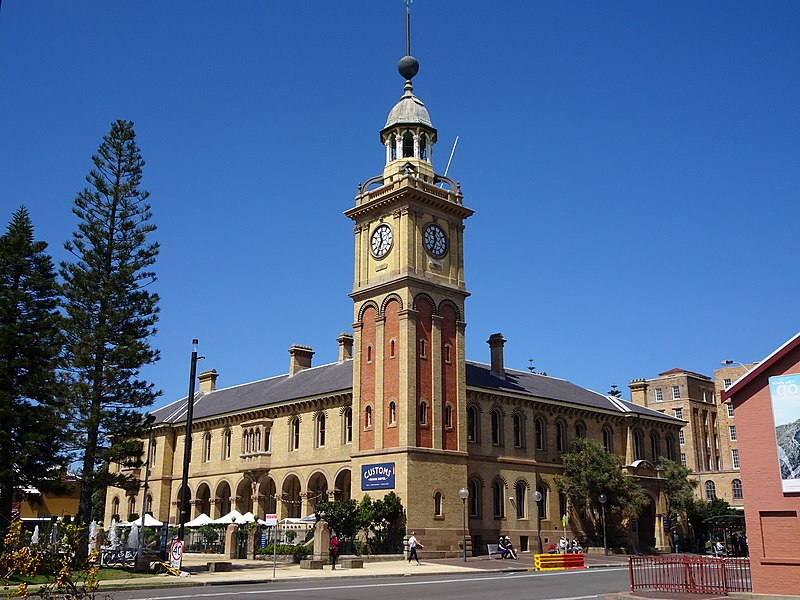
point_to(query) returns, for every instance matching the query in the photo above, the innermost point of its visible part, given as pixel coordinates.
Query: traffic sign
(270, 520)
(176, 554)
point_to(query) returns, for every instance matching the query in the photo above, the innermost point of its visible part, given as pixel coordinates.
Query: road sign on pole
(176, 554)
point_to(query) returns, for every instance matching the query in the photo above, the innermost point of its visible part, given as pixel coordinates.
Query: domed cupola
(409, 135)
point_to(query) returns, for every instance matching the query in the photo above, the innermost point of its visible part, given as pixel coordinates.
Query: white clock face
(435, 240)
(381, 240)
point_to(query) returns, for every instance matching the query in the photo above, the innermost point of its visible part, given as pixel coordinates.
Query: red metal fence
(690, 574)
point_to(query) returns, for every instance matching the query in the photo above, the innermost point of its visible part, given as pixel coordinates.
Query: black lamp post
(187, 446)
(148, 422)
(537, 496)
(463, 493)
(603, 516)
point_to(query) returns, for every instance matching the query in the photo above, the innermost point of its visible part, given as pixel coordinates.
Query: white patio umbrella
(200, 520)
(247, 517)
(149, 521)
(229, 518)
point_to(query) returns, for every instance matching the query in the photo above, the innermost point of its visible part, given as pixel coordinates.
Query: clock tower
(409, 379)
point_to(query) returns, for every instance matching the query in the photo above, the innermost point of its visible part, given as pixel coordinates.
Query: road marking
(391, 584)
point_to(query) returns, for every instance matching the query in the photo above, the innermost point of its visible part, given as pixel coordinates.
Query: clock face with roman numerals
(381, 240)
(435, 240)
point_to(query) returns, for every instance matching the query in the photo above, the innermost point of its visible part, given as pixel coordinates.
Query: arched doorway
(203, 502)
(317, 490)
(647, 526)
(290, 498)
(222, 500)
(341, 488)
(244, 496)
(267, 503)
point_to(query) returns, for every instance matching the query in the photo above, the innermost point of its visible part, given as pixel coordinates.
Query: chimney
(208, 380)
(496, 343)
(345, 346)
(638, 389)
(300, 358)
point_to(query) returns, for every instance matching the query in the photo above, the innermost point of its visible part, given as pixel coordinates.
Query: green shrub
(287, 549)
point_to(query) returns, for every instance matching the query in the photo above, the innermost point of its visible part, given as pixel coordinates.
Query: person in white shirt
(413, 544)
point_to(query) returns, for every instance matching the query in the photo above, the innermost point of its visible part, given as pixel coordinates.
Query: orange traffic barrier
(558, 562)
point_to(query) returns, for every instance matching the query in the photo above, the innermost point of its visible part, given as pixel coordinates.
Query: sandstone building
(402, 409)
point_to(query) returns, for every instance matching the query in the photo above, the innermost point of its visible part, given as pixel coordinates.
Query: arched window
(670, 448)
(562, 504)
(266, 440)
(257, 445)
(542, 508)
(369, 353)
(368, 417)
(474, 498)
(422, 343)
(153, 448)
(448, 416)
(654, 447)
(115, 506)
(423, 413)
(580, 430)
(321, 430)
(207, 447)
(608, 439)
(711, 490)
(519, 430)
(437, 504)
(497, 427)
(131, 506)
(736, 488)
(520, 491)
(472, 424)
(295, 434)
(408, 145)
(392, 413)
(539, 427)
(391, 348)
(393, 142)
(226, 445)
(245, 442)
(561, 436)
(498, 499)
(637, 445)
(347, 417)
(148, 504)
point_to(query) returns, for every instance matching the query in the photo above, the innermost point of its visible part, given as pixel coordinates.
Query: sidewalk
(251, 571)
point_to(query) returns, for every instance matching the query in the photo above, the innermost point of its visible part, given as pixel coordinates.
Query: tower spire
(408, 27)
(408, 65)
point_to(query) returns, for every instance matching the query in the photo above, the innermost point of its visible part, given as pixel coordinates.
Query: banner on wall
(785, 394)
(378, 476)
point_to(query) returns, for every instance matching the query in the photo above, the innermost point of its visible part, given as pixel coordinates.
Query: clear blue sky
(634, 167)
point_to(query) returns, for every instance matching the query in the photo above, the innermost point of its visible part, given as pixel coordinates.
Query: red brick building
(766, 401)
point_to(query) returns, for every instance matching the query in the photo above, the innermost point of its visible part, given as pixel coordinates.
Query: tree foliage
(378, 519)
(679, 487)
(341, 516)
(111, 313)
(590, 471)
(31, 410)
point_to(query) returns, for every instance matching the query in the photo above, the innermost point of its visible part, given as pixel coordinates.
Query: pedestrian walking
(333, 551)
(413, 544)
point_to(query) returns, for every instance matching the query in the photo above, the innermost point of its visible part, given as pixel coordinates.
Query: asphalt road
(561, 585)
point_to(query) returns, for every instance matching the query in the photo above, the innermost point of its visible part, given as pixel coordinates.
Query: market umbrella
(200, 520)
(229, 518)
(149, 521)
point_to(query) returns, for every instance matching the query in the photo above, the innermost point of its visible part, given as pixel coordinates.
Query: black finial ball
(408, 67)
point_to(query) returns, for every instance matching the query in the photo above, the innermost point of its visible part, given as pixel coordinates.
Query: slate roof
(338, 377)
(552, 388)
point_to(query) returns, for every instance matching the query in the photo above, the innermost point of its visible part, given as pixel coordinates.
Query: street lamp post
(537, 496)
(603, 516)
(187, 445)
(463, 493)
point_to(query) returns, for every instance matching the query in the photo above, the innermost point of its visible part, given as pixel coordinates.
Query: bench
(352, 563)
(219, 566)
(311, 563)
(493, 549)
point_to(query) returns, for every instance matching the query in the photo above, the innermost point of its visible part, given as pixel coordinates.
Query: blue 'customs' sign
(377, 477)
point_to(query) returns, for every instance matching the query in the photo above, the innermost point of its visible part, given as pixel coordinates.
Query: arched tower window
(497, 427)
(393, 142)
(347, 417)
(392, 413)
(736, 489)
(711, 490)
(448, 416)
(498, 499)
(472, 424)
(321, 431)
(295, 434)
(608, 440)
(423, 413)
(423, 147)
(519, 430)
(408, 145)
(520, 490)
(474, 498)
(580, 430)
